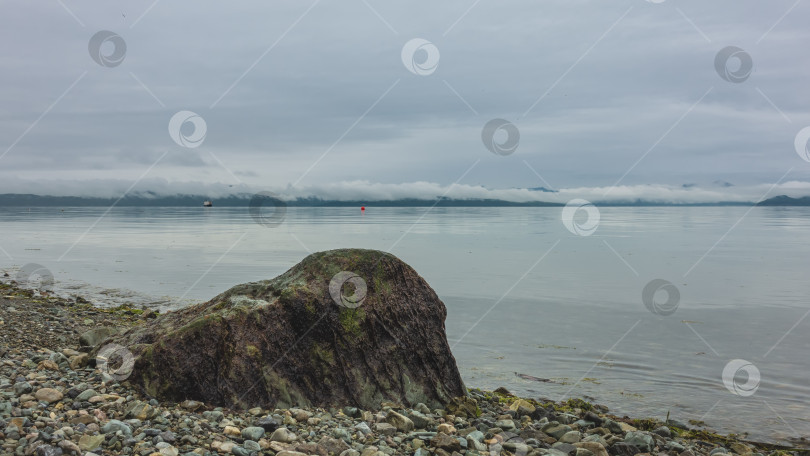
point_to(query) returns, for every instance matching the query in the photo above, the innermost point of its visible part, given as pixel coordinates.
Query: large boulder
(343, 327)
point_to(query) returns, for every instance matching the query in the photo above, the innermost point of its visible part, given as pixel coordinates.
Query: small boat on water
(207, 204)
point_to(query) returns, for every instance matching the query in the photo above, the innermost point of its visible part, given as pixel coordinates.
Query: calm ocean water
(524, 294)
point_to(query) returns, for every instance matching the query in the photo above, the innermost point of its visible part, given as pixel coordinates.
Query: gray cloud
(592, 87)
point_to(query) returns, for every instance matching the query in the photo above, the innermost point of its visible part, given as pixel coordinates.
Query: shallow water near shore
(524, 295)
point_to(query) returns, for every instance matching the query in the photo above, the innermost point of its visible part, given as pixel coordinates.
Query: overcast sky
(335, 97)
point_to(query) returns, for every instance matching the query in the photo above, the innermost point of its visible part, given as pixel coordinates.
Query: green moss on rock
(323, 354)
(253, 351)
(351, 319)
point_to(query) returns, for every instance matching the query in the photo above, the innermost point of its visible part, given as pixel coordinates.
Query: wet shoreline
(52, 390)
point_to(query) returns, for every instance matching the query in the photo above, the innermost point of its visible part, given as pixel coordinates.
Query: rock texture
(289, 341)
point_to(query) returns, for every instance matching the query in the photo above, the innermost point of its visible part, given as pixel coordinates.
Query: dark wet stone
(268, 423)
(540, 413)
(566, 448)
(210, 351)
(623, 449)
(445, 442)
(594, 418)
(663, 431)
(168, 436)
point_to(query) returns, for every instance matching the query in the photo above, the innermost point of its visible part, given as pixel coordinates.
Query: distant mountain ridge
(242, 200)
(784, 200)
(28, 200)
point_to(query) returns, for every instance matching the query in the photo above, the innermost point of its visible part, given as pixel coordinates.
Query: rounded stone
(48, 395)
(252, 433)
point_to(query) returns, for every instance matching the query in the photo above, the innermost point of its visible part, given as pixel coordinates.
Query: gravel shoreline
(54, 400)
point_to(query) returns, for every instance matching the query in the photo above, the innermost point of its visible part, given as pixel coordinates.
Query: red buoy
(362, 208)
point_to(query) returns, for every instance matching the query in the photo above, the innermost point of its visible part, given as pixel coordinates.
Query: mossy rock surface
(286, 341)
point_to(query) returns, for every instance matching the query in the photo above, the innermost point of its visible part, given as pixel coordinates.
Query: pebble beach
(56, 400)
